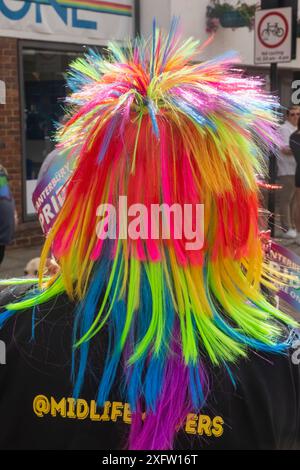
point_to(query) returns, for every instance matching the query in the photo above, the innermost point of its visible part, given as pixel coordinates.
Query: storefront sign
(288, 263)
(76, 21)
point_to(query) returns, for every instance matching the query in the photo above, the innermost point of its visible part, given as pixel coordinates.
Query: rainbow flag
(113, 8)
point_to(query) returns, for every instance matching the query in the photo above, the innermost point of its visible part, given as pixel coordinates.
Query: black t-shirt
(295, 146)
(37, 411)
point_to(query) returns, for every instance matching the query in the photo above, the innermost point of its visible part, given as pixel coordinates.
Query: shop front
(38, 40)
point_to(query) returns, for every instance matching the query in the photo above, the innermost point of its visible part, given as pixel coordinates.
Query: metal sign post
(275, 42)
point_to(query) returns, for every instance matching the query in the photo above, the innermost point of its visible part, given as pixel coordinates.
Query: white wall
(193, 21)
(242, 40)
(193, 16)
(159, 9)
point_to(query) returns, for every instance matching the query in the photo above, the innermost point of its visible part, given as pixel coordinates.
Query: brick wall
(28, 233)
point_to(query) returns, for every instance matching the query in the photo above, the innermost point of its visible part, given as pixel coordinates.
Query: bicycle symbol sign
(273, 29)
(273, 36)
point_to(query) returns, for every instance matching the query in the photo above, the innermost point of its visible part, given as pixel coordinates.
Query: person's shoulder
(295, 137)
(13, 293)
(54, 315)
(285, 131)
(284, 128)
(17, 293)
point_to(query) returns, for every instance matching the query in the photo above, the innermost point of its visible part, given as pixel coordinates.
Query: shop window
(44, 89)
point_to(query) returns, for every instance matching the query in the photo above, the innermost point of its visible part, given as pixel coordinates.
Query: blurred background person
(8, 216)
(286, 174)
(295, 147)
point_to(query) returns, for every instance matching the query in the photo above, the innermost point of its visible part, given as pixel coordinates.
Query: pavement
(290, 244)
(16, 259)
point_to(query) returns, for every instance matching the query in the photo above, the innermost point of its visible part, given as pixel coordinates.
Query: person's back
(295, 148)
(285, 161)
(286, 175)
(168, 337)
(259, 410)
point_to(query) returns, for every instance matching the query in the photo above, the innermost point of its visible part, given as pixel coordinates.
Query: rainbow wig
(152, 124)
